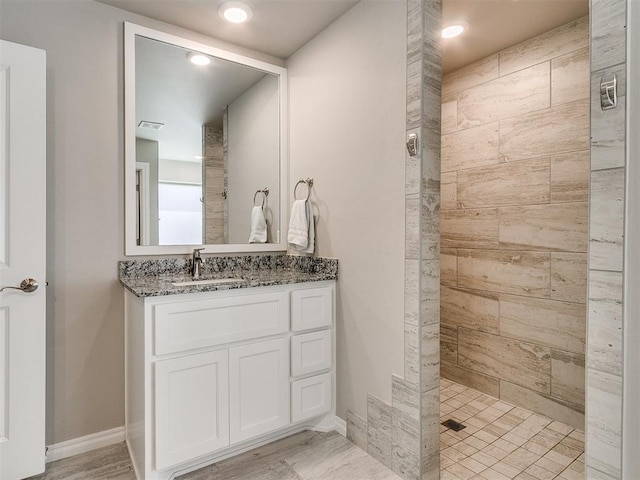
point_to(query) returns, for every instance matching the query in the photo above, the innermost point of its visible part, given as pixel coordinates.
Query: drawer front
(311, 308)
(310, 397)
(310, 352)
(184, 326)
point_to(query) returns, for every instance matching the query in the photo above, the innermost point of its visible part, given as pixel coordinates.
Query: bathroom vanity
(217, 368)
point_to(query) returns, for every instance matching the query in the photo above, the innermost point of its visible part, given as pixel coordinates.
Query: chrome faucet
(196, 263)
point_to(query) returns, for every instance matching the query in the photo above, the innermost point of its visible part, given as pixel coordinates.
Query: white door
(22, 256)
(259, 396)
(192, 407)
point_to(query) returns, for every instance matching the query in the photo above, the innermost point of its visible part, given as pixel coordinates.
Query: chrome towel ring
(265, 194)
(309, 182)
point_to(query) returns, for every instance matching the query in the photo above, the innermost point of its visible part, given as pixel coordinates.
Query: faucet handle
(196, 252)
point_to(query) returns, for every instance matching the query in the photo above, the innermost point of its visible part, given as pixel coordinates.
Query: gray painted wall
(85, 147)
(347, 135)
(347, 121)
(253, 153)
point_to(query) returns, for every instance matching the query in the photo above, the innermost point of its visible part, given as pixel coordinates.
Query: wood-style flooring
(304, 456)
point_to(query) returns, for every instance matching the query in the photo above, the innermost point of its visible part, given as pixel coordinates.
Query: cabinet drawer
(310, 397)
(183, 326)
(310, 352)
(311, 308)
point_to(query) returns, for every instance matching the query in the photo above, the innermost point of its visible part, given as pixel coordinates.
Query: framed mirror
(205, 148)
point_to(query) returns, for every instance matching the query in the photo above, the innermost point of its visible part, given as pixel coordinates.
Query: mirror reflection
(207, 146)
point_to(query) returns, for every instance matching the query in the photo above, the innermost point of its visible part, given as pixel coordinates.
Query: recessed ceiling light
(235, 12)
(198, 58)
(454, 29)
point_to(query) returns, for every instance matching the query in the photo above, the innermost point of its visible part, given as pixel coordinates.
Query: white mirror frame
(131, 248)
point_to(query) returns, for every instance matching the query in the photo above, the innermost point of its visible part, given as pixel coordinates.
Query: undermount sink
(212, 281)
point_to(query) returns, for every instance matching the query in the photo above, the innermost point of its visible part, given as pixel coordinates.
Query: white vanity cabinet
(212, 374)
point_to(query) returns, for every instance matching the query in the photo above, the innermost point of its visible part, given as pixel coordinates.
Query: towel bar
(265, 194)
(309, 182)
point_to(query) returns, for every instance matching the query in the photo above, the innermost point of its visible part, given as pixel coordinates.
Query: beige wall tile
(560, 325)
(570, 77)
(521, 92)
(559, 129)
(570, 177)
(567, 376)
(515, 272)
(513, 183)
(448, 267)
(479, 381)
(357, 430)
(414, 97)
(472, 309)
(448, 343)
(608, 33)
(606, 220)
(411, 294)
(469, 228)
(569, 277)
(411, 353)
(471, 75)
(519, 362)
(449, 116)
(449, 190)
(560, 410)
(473, 147)
(412, 226)
(430, 356)
(557, 42)
(430, 292)
(430, 434)
(560, 227)
(605, 321)
(604, 428)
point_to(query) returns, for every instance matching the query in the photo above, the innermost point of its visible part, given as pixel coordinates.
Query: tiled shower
(515, 175)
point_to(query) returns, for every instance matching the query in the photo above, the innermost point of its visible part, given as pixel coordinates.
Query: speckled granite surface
(150, 278)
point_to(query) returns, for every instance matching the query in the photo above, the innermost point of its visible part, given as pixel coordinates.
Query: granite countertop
(151, 278)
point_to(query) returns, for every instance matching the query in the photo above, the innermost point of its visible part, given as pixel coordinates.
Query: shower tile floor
(502, 441)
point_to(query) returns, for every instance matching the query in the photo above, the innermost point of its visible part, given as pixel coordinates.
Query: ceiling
(280, 27)
(172, 91)
(497, 24)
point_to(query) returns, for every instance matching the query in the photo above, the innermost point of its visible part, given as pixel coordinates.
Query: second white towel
(258, 226)
(301, 236)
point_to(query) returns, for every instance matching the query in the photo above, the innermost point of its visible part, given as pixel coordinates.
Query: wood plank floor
(304, 456)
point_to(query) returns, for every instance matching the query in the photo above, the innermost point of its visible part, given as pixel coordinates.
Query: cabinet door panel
(258, 388)
(192, 406)
(311, 308)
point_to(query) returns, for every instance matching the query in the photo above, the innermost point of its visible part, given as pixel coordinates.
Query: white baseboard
(85, 444)
(341, 426)
(76, 446)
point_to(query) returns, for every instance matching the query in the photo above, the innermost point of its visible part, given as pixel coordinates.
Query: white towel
(301, 236)
(258, 226)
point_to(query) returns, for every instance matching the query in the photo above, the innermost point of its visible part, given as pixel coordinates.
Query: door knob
(27, 285)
